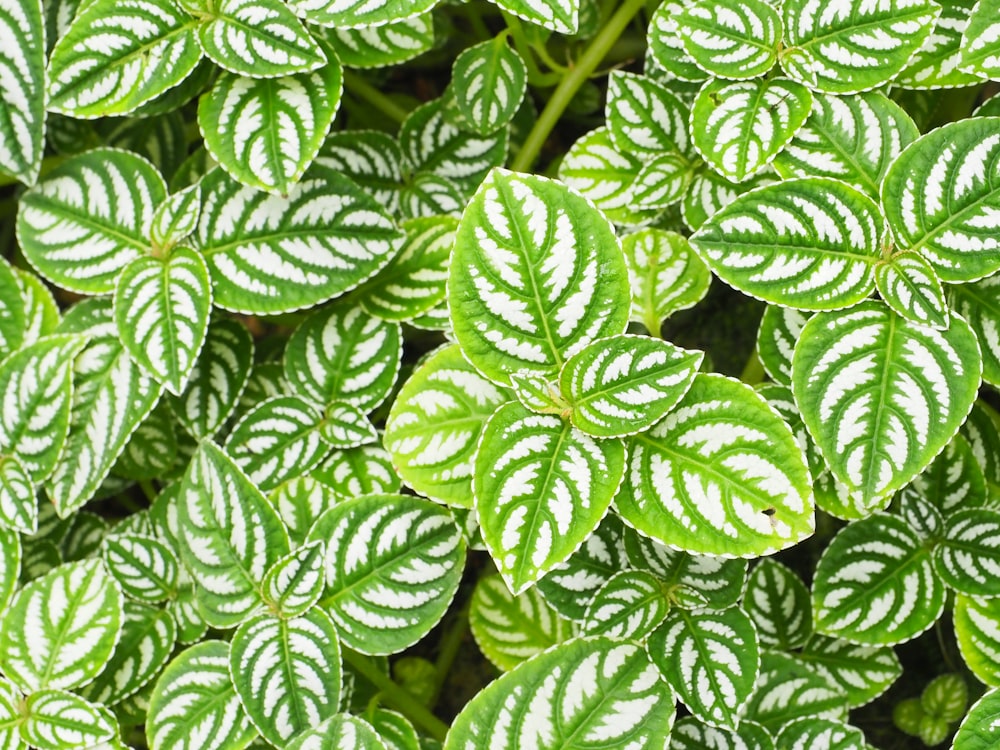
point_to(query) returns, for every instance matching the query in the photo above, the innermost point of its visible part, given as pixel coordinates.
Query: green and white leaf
(982, 430)
(690, 734)
(395, 730)
(13, 308)
(18, 501)
(41, 312)
(341, 353)
(629, 606)
(855, 46)
(968, 557)
(941, 199)
(900, 392)
(711, 658)
(82, 536)
(151, 47)
(151, 452)
(587, 691)
(954, 480)
(287, 673)
(788, 689)
(269, 254)
(258, 38)
(738, 127)
(598, 170)
(352, 14)
(43, 628)
(909, 285)
(345, 426)
(145, 568)
(709, 192)
(511, 629)
(977, 629)
(779, 605)
(340, 732)
(731, 41)
(57, 719)
(621, 385)
(10, 564)
(365, 470)
(876, 584)
(541, 488)
(427, 194)
(175, 218)
(853, 138)
(779, 330)
(811, 731)
(979, 304)
(661, 182)
(387, 597)
(370, 158)
(666, 47)
(722, 474)
(808, 243)
(561, 16)
(232, 536)
(938, 64)
(300, 502)
(194, 704)
(536, 274)
(980, 46)
(219, 376)
(980, 729)
(862, 672)
(294, 583)
(11, 717)
(161, 309)
(488, 80)
(265, 132)
(22, 124)
(381, 46)
(644, 117)
(90, 217)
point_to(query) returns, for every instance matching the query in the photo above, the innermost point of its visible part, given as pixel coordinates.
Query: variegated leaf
(809, 243)
(941, 198)
(345, 426)
(41, 312)
(731, 41)
(661, 182)
(294, 583)
(979, 304)
(232, 536)
(862, 672)
(968, 557)
(269, 254)
(954, 480)
(788, 689)
(738, 127)
(810, 732)
(265, 132)
(57, 719)
(11, 717)
(22, 122)
(556, 15)
(352, 14)
(536, 274)
(623, 384)
(395, 730)
(711, 658)
(980, 46)
(709, 192)
(938, 64)
(488, 81)
(779, 330)
(144, 567)
(14, 309)
(341, 353)
(691, 734)
(18, 500)
(175, 218)
(381, 46)
(977, 628)
(10, 564)
(666, 49)
(541, 488)
(287, 673)
(982, 430)
(909, 285)
(629, 606)
(511, 629)
(393, 566)
(300, 502)
(120, 54)
(899, 391)
(426, 194)
(82, 536)
(258, 38)
(644, 117)
(340, 732)
(779, 605)
(89, 218)
(151, 452)
(852, 138)
(194, 704)
(219, 376)
(60, 630)
(980, 729)
(364, 470)
(853, 46)
(875, 583)
(370, 158)
(722, 474)
(161, 308)
(587, 691)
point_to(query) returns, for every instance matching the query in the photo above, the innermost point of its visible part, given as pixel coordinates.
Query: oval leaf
(22, 131)
(968, 557)
(738, 41)
(627, 607)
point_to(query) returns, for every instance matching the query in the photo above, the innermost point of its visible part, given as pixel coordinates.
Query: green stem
(363, 90)
(451, 642)
(396, 696)
(146, 485)
(528, 51)
(572, 82)
(754, 372)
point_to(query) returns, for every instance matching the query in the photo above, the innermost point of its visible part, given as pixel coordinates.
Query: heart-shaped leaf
(644, 117)
(294, 583)
(788, 689)
(778, 603)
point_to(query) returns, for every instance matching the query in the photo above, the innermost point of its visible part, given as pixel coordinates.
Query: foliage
(351, 353)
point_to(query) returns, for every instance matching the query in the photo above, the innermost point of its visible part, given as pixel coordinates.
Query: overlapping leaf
(365, 470)
(691, 734)
(606, 175)
(344, 426)
(738, 41)
(350, 14)
(175, 218)
(977, 628)
(340, 732)
(488, 81)
(145, 568)
(666, 47)
(556, 15)
(954, 480)
(779, 605)
(13, 309)
(22, 122)
(968, 558)
(788, 689)
(709, 192)
(300, 502)
(18, 501)
(815, 732)
(371, 158)
(294, 583)
(384, 45)
(56, 719)
(980, 50)
(862, 672)
(628, 606)
(644, 117)
(980, 729)
(979, 304)
(908, 284)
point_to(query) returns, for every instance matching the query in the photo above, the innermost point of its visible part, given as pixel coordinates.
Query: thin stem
(451, 642)
(397, 696)
(363, 90)
(146, 485)
(572, 82)
(528, 51)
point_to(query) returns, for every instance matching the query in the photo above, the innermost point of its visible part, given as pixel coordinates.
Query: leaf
(194, 705)
(145, 568)
(779, 605)
(381, 46)
(344, 426)
(940, 199)
(939, 62)
(853, 138)
(862, 672)
(489, 80)
(10, 567)
(40, 310)
(161, 309)
(541, 488)
(370, 158)
(816, 732)
(89, 218)
(57, 719)
(980, 728)
(22, 127)
(738, 127)
(294, 583)
(395, 730)
(968, 557)
(875, 583)
(661, 182)
(76, 603)
(151, 452)
(709, 192)
(779, 330)
(175, 218)
(739, 41)
(536, 274)
(427, 194)
(269, 254)
(390, 594)
(666, 46)
(265, 132)
(259, 38)
(18, 501)
(955, 479)
(351, 14)
(152, 48)
(908, 284)
(982, 430)
(977, 629)
(855, 46)
(624, 384)
(587, 691)
(809, 243)
(721, 474)
(13, 307)
(341, 353)
(300, 502)
(788, 689)
(710, 658)
(287, 673)
(979, 304)
(219, 376)
(978, 50)
(232, 536)
(11, 717)
(561, 16)
(644, 117)
(900, 392)
(511, 629)
(628, 606)
(691, 734)
(340, 732)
